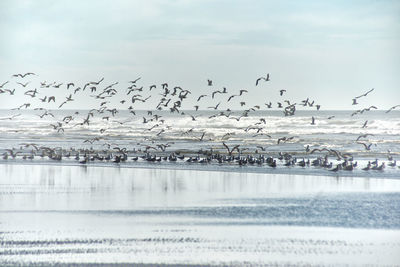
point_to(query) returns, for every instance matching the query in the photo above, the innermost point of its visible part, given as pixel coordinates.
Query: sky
(329, 51)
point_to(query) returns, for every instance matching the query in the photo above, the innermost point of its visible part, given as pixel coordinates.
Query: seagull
(46, 113)
(281, 139)
(202, 136)
(198, 99)
(65, 102)
(230, 151)
(57, 85)
(262, 148)
(97, 83)
(1, 86)
(367, 147)
(10, 118)
(242, 91)
(392, 108)
(215, 92)
(31, 93)
(23, 75)
(67, 119)
(354, 101)
(368, 109)
(209, 82)
(216, 107)
(312, 120)
(134, 81)
(232, 96)
(23, 85)
(363, 136)
(365, 94)
(70, 84)
(262, 78)
(282, 91)
(365, 124)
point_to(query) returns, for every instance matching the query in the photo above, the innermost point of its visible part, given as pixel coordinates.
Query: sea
(369, 136)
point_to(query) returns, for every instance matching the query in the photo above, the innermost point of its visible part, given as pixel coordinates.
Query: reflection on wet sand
(64, 214)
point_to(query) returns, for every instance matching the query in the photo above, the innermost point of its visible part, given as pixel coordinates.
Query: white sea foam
(128, 130)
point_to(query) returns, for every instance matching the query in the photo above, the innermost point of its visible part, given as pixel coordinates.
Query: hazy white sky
(328, 51)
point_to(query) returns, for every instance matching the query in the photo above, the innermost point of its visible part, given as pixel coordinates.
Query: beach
(203, 192)
(100, 215)
(199, 133)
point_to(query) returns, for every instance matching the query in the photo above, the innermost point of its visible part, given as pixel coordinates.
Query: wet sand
(96, 215)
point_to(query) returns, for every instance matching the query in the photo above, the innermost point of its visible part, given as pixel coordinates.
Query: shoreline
(388, 173)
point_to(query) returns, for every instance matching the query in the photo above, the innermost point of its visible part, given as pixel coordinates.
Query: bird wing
(226, 146)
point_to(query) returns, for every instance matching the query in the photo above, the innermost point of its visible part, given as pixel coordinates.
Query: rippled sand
(86, 215)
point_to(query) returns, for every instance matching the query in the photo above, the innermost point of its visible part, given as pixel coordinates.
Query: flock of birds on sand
(171, 99)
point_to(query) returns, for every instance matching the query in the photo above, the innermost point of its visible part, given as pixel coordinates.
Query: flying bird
(232, 96)
(134, 81)
(201, 96)
(363, 136)
(10, 118)
(23, 84)
(365, 124)
(242, 91)
(367, 147)
(216, 107)
(23, 75)
(97, 83)
(1, 86)
(70, 84)
(230, 151)
(392, 108)
(269, 105)
(365, 94)
(262, 78)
